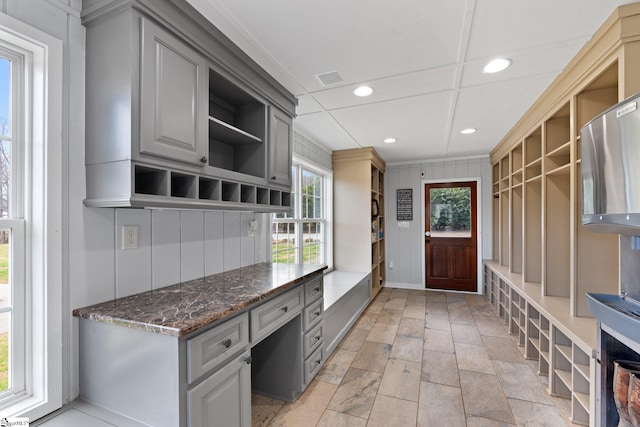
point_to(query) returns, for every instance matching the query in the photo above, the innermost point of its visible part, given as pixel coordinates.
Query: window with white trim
(30, 220)
(303, 236)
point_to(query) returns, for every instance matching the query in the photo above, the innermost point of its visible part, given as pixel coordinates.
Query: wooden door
(451, 236)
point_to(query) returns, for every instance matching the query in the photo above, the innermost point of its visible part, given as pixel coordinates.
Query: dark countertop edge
(176, 331)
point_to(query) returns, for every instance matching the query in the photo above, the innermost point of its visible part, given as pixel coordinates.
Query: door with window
(450, 239)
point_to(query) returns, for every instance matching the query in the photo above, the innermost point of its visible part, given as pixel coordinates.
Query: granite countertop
(180, 309)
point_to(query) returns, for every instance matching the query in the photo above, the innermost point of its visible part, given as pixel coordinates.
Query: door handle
(427, 234)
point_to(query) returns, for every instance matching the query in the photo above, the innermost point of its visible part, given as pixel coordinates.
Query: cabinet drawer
(312, 340)
(313, 290)
(313, 314)
(211, 348)
(313, 365)
(270, 316)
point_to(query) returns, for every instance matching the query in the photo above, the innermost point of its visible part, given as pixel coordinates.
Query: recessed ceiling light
(468, 131)
(390, 140)
(497, 65)
(363, 91)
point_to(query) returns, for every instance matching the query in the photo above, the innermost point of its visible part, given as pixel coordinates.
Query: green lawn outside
(286, 252)
(4, 263)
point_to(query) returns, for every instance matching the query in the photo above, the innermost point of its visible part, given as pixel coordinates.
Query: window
(302, 236)
(30, 220)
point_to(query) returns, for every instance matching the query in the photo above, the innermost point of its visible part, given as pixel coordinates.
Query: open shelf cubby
(151, 181)
(183, 185)
(209, 189)
(237, 128)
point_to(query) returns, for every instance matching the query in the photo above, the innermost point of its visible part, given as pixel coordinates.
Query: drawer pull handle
(317, 313)
(317, 289)
(247, 360)
(285, 309)
(319, 361)
(318, 337)
(226, 343)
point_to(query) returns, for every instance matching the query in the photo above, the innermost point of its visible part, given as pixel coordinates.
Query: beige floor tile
(389, 316)
(354, 339)
(437, 340)
(337, 366)
(417, 299)
(309, 407)
(437, 307)
(503, 349)
(399, 293)
(535, 414)
(382, 332)
(490, 326)
(263, 409)
(389, 411)
(483, 397)
(440, 368)
(411, 327)
(467, 334)
(519, 382)
(407, 348)
(356, 394)
(372, 356)
(366, 321)
(461, 315)
(375, 307)
(396, 304)
(338, 419)
(436, 296)
(473, 358)
(437, 321)
(414, 312)
(401, 379)
(474, 421)
(440, 405)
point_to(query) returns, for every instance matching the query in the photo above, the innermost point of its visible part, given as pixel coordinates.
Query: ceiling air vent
(330, 78)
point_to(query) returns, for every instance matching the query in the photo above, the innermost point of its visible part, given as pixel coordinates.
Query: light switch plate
(129, 237)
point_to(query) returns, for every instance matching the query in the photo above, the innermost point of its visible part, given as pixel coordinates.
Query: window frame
(39, 130)
(327, 211)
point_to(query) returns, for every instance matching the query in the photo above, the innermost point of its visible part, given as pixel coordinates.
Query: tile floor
(415, 358)
(419, 358)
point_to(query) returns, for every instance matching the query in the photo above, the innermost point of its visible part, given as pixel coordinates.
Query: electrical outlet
(129, 237)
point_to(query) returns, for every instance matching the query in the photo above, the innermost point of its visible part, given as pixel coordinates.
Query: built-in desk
(190, 354)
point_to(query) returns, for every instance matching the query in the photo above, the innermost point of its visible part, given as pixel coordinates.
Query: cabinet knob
(317, 289)
(247, 360)
(317, 313)
(285, 309)
(204, 159)
(273, 178)
(319, 361)
(226, 343)
(318, 337)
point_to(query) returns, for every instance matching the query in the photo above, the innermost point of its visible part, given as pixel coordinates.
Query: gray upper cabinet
(172, 104)
(280, 148)
(178, 116)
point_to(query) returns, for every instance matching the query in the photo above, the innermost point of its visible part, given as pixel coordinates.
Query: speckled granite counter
(180, 309)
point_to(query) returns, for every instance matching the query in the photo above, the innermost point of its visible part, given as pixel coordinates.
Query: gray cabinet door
(280, 148)
(223, 399)
(173, 97)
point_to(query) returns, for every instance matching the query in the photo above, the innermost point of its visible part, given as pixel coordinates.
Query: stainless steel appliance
(610, 165)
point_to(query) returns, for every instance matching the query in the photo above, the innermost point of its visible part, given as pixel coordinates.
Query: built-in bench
(346, 296)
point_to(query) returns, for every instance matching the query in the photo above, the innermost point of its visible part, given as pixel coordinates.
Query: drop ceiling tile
(419, 124)
(501, 26)
(323, 129)
(307, 105)
(407, 85)
(549, 60)
(493, 110)
(363, 39)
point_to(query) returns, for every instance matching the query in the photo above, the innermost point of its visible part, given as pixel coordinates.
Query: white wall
(404, 246)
